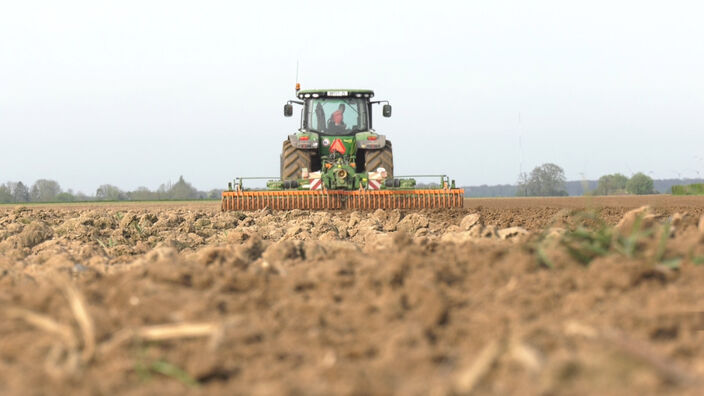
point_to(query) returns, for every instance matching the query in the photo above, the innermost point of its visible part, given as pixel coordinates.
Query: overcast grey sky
(135, 93)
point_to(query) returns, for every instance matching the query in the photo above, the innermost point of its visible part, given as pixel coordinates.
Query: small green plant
(543, 258)
(111, 243)
(586, 243)
(659, 258)
(628, 245)
(146, 368)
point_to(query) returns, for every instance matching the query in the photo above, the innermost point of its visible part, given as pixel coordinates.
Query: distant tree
(523, 181)
(5, 193)
(64, 197)
(108, 192)
(142, 194)
(640, 184)
(164, 190)
(44, 190)
(20, 192)
(611, 184)
(82, 197)
(182, 190)
(215, 193)
(543, 181)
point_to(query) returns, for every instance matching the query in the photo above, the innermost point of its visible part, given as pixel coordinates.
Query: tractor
(336, 160)
(336, 123)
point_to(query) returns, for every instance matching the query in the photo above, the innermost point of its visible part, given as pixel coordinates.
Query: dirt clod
(512, 233)
(641, 217)
(470, 221)
(34, 234)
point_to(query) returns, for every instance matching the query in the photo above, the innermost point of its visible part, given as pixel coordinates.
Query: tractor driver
(335, 122)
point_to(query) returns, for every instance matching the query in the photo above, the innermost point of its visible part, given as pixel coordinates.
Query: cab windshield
(336, 116)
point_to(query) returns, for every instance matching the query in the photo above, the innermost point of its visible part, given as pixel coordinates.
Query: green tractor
(336, 138)
(337, 161)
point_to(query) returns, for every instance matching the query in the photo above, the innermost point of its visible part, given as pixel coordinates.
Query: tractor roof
(335, 93)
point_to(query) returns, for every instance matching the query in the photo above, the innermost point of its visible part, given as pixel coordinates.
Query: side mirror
(386, 110)
(288, 110)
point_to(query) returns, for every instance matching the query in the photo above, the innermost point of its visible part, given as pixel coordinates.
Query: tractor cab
(336, 129)
(336, 112)
(336, 116)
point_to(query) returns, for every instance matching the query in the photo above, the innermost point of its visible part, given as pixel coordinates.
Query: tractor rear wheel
(293, 160)
(382, 158)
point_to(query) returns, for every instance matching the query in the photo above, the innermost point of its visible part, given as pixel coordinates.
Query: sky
(137, 93)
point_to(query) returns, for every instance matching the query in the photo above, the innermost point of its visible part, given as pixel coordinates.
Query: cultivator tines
(339, 199)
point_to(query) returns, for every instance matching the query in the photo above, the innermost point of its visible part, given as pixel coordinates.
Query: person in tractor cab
(338, 115)
(335, 123)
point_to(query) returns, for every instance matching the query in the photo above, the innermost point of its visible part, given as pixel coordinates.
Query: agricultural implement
(337, 161)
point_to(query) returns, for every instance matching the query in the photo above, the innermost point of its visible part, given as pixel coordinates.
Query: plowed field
(506, 296)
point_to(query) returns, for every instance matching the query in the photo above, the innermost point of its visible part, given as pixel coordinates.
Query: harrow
(324, 199)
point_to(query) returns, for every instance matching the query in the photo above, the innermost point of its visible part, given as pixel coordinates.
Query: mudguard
(363, 141)
(304, 140)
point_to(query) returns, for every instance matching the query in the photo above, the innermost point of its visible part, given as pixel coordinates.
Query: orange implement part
(330, 200)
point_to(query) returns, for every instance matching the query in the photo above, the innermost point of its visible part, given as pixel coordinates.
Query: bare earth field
(544, 296)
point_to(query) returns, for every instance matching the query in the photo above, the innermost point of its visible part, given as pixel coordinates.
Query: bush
(691, 189)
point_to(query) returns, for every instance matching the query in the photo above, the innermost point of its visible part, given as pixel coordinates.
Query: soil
(179, 298)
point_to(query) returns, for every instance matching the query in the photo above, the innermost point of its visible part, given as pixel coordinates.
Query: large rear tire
(382, 158)
(293, 160)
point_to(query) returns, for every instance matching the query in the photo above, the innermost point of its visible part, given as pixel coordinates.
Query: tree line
(544, 180)
(44, 190)
(549, 180)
